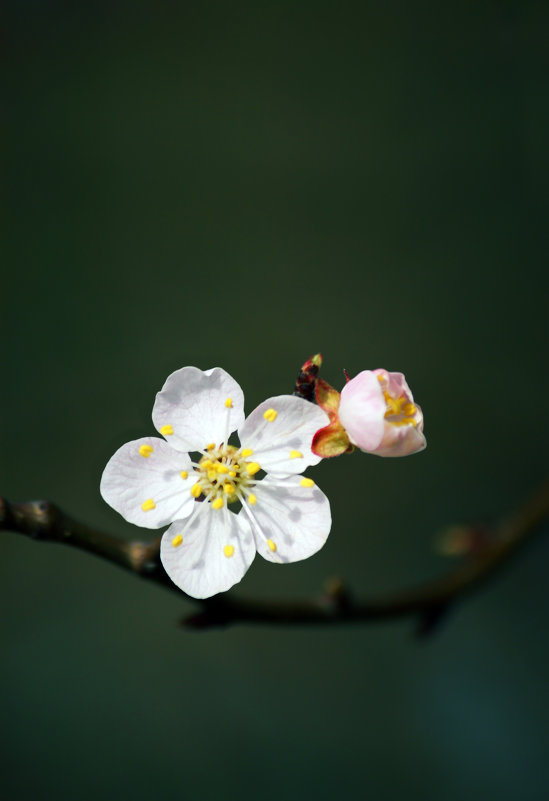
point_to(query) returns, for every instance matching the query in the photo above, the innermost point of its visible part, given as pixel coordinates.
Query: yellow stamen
(148, 505)
(253, 468)
(270, 415)
(246, 452)
(252, 500)
(397, 407)
(184, 474)
(228, 489)
(394, 406)
(206, 463)
(228, 550)
(271, 546)
(218, 503)
(166, 431)
(307, 482)
(211, 446)
(196, 490)
(177, 540)
(296, 455)
(212, 474)
(229, 403)
(221, 468)
(232, 473)
(145, 451)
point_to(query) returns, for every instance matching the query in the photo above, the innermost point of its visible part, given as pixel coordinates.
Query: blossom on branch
(155, 482)
(375, 412)
(378, 412)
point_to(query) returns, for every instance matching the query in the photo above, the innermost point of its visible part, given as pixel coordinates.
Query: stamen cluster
(225, 474)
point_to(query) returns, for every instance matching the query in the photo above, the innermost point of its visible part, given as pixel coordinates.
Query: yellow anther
(246, 452)
(271, 546)
(221, 468)
(212, 473)
(253, 468)
(229, 403)
(307, 482)
(148, 505)
(177, 540)
(228, 550)
(166, 431)
(296, 455)
(252, 500)
(145, 450)
(232, 473)
(380, 378)
(398, 406)
(228, 489)
(270, 415)
(196, 490)
(394, 406)
(211, 446)
(184, 474)
(218, 503)
(206, 463)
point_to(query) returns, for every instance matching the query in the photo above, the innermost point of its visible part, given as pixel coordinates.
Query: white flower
(153, 482)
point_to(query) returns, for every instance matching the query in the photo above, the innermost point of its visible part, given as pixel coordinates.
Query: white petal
(283, 445)
(134, 477)
(192, 404)
(295, 519)
(216, 550)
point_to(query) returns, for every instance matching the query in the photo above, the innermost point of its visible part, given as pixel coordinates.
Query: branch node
(37, 519)
(338, 595)
(144, 558)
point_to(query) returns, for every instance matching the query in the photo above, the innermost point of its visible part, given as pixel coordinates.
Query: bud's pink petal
(378, 412)
(403, 440)
(362, 409)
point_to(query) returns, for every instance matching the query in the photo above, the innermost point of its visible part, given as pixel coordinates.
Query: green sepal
(327, 398)
(331, 440)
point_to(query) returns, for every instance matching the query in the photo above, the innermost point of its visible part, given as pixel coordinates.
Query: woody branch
(427, 603)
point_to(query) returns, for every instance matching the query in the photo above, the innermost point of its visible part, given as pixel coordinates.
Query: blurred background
(244, 184)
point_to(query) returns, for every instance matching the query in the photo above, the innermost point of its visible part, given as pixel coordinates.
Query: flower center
(225, 474)
(400, 412)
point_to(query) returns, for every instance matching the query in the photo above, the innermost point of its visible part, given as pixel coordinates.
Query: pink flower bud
(378, 412)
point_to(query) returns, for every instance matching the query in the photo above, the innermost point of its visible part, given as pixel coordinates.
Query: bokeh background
(243, 184)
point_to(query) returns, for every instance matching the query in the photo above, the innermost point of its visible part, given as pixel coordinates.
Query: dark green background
(243, 184)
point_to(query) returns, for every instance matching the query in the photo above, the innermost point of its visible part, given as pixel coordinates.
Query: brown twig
(429, 602)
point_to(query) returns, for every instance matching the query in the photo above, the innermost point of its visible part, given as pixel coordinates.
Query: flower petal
(394, 383)
(362, 410)
(195, 407)
(289, 521)
(149, 483)
(403, 440)
(280, 433)
(209, 553)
